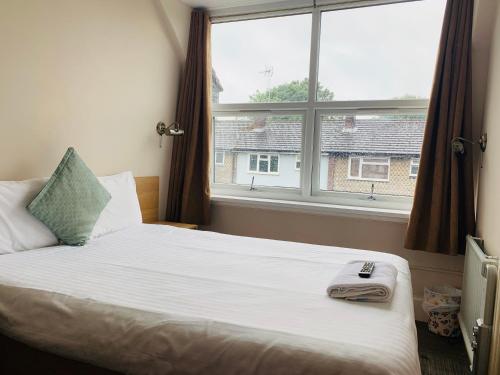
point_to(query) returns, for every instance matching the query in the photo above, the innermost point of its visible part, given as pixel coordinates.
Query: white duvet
(162, 300)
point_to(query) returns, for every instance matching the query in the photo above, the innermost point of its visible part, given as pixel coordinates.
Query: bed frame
(148, 191)
(20, 359)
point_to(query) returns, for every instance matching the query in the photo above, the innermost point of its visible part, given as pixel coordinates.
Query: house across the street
(357, 152)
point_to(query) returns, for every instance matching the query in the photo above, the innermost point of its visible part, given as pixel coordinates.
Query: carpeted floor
(441, 355)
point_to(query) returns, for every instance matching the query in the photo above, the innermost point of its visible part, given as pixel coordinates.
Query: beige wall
(488, 211)
(224, 174)
(97, 75)
(489, 183)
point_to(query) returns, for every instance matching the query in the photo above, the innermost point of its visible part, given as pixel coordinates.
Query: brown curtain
(189, 185)
(443, 208)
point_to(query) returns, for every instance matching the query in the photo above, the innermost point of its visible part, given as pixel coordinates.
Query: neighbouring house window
(371, 169)
(219, 158)
(414, 164)
(263, 163)
(308, 111)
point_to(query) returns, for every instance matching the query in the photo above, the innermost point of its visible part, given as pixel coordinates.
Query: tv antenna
(268, 72)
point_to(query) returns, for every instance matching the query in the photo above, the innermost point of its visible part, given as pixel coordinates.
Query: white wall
(97, 75)
(287, 176)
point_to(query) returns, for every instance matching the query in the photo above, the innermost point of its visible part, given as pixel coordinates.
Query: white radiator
(478, 303)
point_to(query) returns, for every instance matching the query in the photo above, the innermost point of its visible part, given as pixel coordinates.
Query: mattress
(155, 299)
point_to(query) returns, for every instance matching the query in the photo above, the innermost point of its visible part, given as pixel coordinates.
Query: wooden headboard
(148, 191)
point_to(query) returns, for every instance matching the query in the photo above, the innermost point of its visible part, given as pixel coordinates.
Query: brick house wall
(400, 182)
(331, 173)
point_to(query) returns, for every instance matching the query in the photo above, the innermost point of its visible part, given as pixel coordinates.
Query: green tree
(294, 91)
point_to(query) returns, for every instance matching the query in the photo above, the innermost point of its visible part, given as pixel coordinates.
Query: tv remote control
(366, 270)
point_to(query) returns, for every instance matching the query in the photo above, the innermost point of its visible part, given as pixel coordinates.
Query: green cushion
(71, 201)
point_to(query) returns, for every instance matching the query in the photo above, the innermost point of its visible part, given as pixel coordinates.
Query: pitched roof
(382, 135)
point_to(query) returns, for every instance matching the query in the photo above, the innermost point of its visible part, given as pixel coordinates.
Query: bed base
(20, 359)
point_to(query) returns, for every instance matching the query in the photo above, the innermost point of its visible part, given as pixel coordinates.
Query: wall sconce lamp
(457, 144)
(172, 130)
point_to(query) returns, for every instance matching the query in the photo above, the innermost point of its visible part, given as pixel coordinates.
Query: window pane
(414, 167)
(380, 146)
(354, 172)
(263, 165)
(265, 60)
(219, 157)
(380, 52)
(260, 146)
(253, 162)
(274, 164)
(372, 171)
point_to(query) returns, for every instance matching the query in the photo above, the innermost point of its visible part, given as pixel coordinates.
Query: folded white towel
(378, 288)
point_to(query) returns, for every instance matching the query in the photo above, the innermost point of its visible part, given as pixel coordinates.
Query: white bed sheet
(162, 300)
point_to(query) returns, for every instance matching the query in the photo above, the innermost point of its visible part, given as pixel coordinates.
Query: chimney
(259, 124)
(349, 124)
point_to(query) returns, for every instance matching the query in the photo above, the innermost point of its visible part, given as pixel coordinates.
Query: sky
(379, 52)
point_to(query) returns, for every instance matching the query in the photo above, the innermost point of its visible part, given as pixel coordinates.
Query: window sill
(368, 213)
(264, 173)
(366, 179)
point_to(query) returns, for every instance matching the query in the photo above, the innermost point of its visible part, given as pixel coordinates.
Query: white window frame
(413, 162)
(223, 157)
(362, 162)
(297, 160)
(259, 156)
(311, 135)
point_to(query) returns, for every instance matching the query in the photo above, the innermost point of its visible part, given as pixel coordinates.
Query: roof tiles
(395, 136)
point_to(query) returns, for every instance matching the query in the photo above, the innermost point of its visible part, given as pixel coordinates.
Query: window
(324, 106)
(263, 163)
(355, 145)
(363, 58)
(297, 162)
(219, 158)
(414, 164)
(371, 169)
(252, 59)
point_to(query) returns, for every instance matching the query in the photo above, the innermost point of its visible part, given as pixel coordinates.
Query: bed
(155, 299)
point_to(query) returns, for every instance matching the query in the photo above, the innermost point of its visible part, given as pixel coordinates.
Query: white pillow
(19, 230)
(123, 209)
